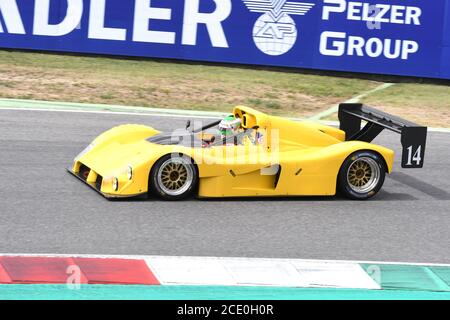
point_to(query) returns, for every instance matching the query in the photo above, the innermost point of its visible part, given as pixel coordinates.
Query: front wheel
(361, 175)
(173, 177)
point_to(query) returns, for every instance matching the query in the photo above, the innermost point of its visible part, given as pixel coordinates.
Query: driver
(229, 126)
(232, 126)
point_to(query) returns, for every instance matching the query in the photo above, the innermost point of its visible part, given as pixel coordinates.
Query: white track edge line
(171, 115)
(165, 115)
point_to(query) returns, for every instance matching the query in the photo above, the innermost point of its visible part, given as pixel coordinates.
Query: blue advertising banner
(399, 37)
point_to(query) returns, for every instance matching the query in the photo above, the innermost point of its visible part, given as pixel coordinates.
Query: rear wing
(413, 136)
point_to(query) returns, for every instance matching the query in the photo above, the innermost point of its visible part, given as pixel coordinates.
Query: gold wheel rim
(359, 173)
(363, 175)
(174, 176)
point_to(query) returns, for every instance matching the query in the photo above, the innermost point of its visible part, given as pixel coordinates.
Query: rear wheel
(361, 175)
(174, 177)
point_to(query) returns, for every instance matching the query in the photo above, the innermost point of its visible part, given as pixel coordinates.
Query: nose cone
(115, 156)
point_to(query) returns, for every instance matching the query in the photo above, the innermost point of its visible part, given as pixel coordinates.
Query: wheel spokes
(174, 175)
(360, 173)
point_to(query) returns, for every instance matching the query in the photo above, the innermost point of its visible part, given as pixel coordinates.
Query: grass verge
(422, 103)
(169, 85)
(166, 84)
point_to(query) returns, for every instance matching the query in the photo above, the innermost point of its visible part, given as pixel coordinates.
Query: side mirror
(188, 124)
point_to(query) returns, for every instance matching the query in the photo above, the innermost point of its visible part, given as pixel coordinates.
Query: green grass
(169, 85)
(423, 103)
(166, 84)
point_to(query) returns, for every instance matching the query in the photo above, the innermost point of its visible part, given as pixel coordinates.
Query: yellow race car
(259, 156)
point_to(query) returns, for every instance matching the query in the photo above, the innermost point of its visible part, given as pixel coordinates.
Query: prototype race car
(259, 156)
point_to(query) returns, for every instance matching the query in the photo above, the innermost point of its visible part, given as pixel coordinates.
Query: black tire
(361, 175)
(168, 187)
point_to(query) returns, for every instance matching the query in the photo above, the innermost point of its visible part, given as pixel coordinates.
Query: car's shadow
(394, 196)
(420, 185)
(382, 196)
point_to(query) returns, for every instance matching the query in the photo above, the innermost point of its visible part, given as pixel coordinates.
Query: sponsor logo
(341, 28)
(338, 43)
(275, 32)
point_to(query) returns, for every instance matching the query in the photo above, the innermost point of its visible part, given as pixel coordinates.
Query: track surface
(45, 210)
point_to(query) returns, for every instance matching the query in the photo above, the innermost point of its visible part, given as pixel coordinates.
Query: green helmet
(229, 125)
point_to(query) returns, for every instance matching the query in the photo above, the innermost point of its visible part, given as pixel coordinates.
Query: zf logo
(275, 32)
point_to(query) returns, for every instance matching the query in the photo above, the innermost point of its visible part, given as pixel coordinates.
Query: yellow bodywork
(294, 159)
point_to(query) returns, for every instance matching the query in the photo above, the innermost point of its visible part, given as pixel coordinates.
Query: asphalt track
(43, 209)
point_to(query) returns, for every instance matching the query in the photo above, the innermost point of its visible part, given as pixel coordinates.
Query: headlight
(82, 153)
(115, 184)
(130, 172)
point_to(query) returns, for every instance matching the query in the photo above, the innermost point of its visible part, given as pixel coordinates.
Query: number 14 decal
(414, 156)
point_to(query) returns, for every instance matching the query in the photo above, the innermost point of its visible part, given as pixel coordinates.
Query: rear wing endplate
(413, 136)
